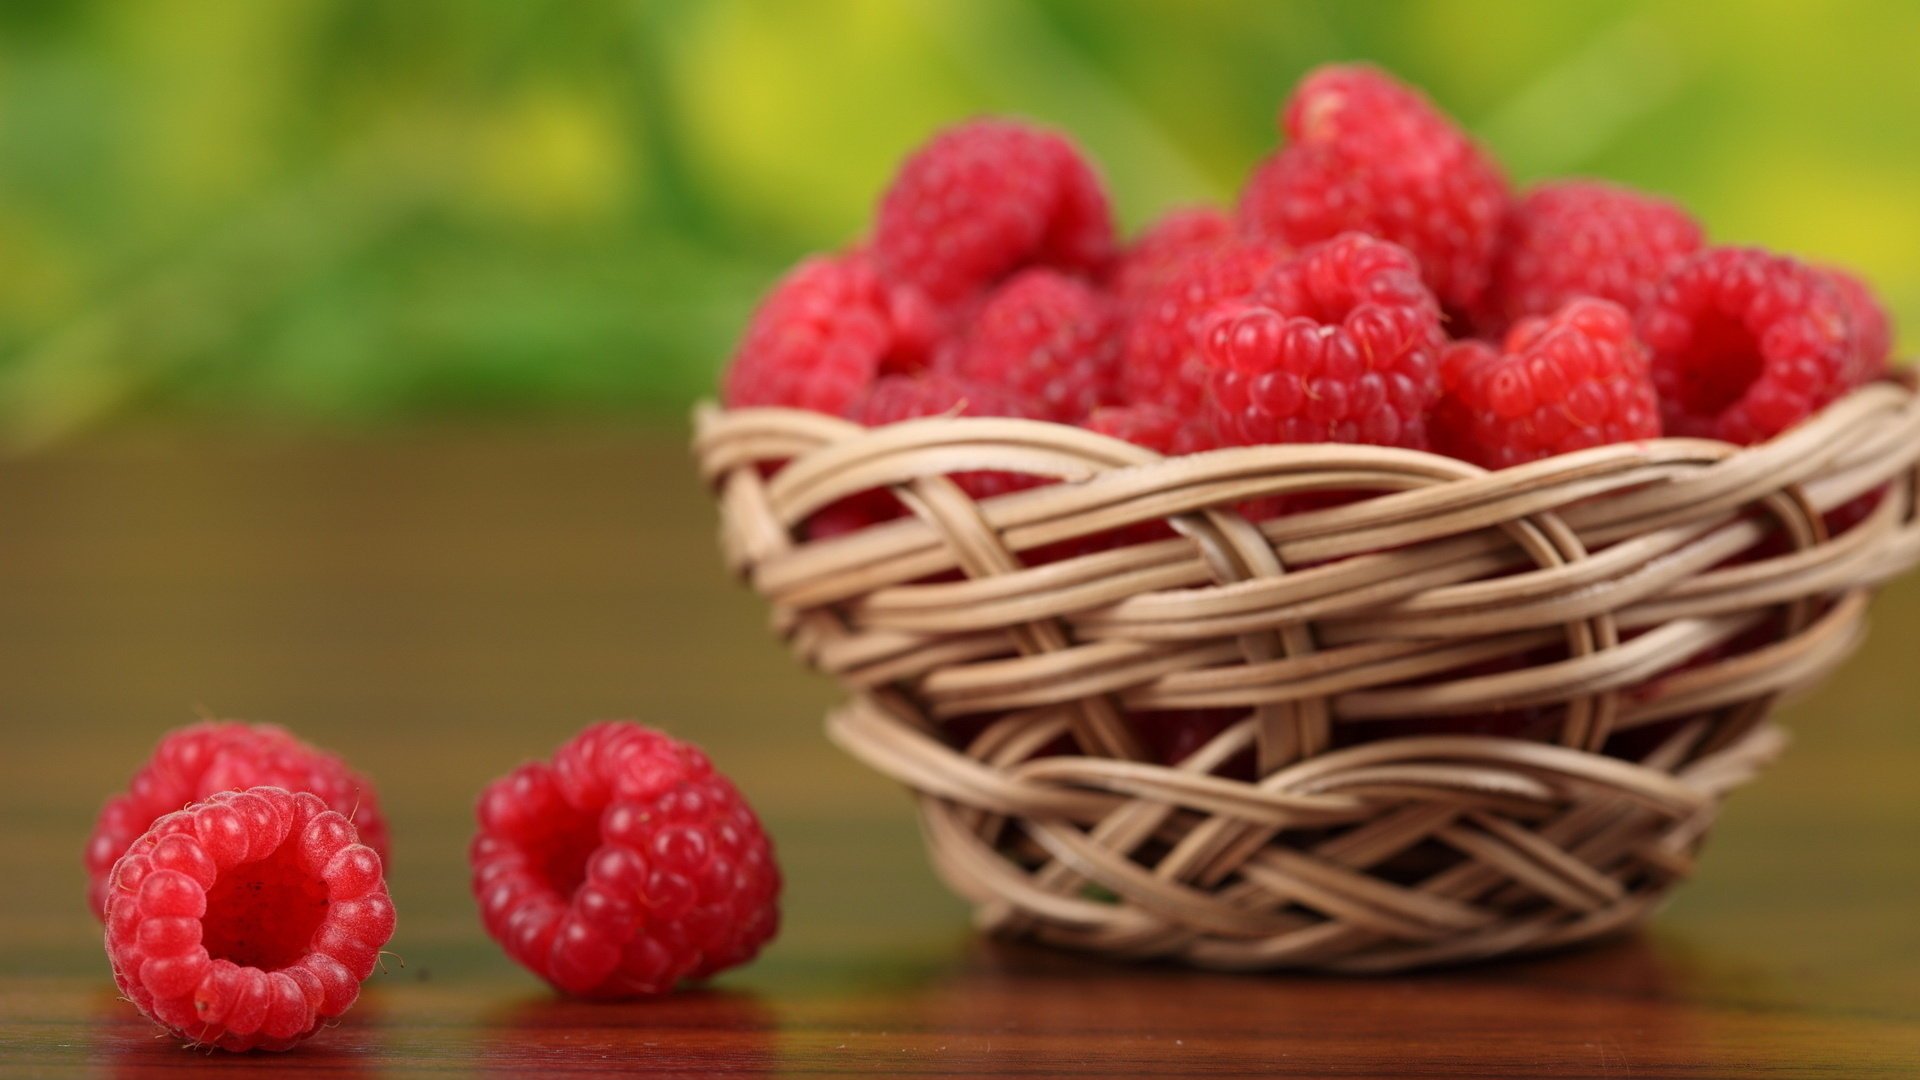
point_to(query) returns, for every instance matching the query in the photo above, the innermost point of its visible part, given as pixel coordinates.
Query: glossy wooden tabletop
(439, 606)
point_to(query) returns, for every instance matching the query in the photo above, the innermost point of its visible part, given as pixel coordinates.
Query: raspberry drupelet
(246, 921)
(1161, 362)
(200, 760)
(1574, 380)
(624, 867)
(824, 333)
(1049, 339)
(984, 199)
(1575, 238)
(1746, 344)
(1369, 153)
(1343, 346)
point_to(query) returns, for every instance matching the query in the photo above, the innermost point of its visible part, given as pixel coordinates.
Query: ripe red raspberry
(1747, 344)
(1575, 238)
(1564, 383)
(1165, 247)
(897, 398)
(1051, 340)
(1163, 431)
(1161, 364)
(1342, 347)
(200, 760)
(1174, 735)
(1371, 154)
(624, 866)
(1872, 326)
(823, 334)
(985, 198)
(247, 920)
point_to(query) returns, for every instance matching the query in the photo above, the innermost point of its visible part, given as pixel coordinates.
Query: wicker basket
(1600, 589)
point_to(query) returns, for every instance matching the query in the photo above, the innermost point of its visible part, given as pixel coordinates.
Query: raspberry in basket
(1161, 362)
(248, 920)
(1342, 347)
(1747, 344)
(1049, 339)
(912, 397)
(1872, 326)
(1163, 431)
(1164, 247)
(624, 867)
(1559, 384)
(1575, 238)
(1368, 153)
(824, 333)
(986, 198)
(200, 760)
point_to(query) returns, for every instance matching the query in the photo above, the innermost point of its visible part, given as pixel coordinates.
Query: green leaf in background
(352, 211)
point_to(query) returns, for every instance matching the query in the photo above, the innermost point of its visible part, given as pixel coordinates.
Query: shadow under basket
(1443, 714)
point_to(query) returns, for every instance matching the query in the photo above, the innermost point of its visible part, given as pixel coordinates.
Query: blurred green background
(287, 213)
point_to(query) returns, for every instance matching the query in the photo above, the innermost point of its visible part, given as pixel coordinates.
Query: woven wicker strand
(1672, 590)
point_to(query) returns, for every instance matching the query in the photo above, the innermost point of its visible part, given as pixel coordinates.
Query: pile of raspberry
(1379, 280)
(242, 877)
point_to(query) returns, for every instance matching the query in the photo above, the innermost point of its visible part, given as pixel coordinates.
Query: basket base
(1394, 855)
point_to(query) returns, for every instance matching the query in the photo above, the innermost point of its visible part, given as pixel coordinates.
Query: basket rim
(709, 416)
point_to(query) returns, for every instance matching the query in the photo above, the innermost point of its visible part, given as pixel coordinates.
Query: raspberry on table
(1341, 346)
(1574, 238)
(1051, 340)
(247, 920)
(1369, 153)
(624, 866)
(824, 333)
(1567, 382)
(985, 198)
(1160, 363)
(1747, 344)
(1164, 247)
(200, 760)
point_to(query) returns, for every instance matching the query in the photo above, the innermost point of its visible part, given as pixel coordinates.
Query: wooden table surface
(439, 606)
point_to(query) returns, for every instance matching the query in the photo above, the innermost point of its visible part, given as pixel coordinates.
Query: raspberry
(200, 760)
(1051, 340)
(1872, 326)
(1161, 430)
(1746, 344)
(985, 198)
(1164, 248)
(1174, 735)
(1564, 383)
(1342, 348)
(1579, 238)
(823, 334)
(1373, 155)
(624, 866)
(1161, 364)
(897, 398)
(247, 920)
